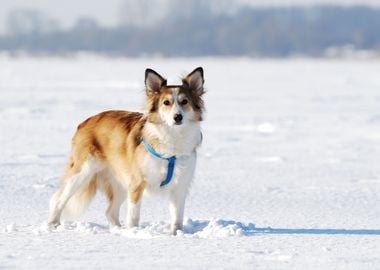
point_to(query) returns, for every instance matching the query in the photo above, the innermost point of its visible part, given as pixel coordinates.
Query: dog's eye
(166, 102)
(184, 102)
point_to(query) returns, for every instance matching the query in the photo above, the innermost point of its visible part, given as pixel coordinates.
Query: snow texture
(288, 176)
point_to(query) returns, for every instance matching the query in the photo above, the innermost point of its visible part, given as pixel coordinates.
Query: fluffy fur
(107, 153)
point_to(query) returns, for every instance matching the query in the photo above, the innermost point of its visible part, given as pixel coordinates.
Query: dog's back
(102, 140)
(104, 136)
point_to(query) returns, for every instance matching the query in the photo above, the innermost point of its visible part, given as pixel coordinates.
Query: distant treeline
(276, 32)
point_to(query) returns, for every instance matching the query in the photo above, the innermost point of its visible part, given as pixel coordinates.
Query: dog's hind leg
(113, 209)
(116, 196)
(75, 179)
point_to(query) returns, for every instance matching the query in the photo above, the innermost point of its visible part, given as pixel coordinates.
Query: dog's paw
(53, 225)
(178, 233)
(176, 230)
(115, 228)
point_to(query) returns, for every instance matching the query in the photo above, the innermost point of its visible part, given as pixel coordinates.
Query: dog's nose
(178, 118)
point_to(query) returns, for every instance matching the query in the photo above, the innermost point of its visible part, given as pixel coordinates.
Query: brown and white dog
(109, 153)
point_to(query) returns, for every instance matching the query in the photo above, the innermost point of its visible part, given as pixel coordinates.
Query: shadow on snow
(239, 228)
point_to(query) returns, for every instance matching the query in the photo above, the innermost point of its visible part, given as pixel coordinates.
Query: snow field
(288, 176)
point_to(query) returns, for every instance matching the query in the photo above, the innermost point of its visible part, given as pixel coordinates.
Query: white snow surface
(288, 176)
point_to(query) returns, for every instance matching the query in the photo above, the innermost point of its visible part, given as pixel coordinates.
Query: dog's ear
(195, 81)
(153, 81)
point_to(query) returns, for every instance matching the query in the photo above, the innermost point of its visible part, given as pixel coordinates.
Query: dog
(127, 154)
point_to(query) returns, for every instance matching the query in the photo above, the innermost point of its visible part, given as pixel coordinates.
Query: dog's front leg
(177, 206)
(133, 214)
(178, 194)
(134, 205)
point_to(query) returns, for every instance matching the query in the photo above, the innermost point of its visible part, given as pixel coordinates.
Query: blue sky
(106, 12)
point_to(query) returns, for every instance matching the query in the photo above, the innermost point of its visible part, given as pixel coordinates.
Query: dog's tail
(79, 202)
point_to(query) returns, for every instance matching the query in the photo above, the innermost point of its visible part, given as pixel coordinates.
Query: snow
(288, 176)
(266, 128)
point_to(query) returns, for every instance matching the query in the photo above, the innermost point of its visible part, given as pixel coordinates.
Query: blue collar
(171, 162)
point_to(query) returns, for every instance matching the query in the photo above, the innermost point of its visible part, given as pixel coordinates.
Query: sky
(107, 12)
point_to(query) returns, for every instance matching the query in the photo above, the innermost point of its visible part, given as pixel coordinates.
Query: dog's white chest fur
(181, 143)
(156, 170)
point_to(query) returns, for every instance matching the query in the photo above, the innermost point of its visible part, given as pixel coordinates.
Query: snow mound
(214, 228)
(217, 228)
(10, 228)
(77, 226)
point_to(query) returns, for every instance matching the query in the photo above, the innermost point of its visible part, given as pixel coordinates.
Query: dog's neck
(173, 140)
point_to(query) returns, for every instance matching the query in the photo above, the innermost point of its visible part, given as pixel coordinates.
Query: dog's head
(174, 105)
